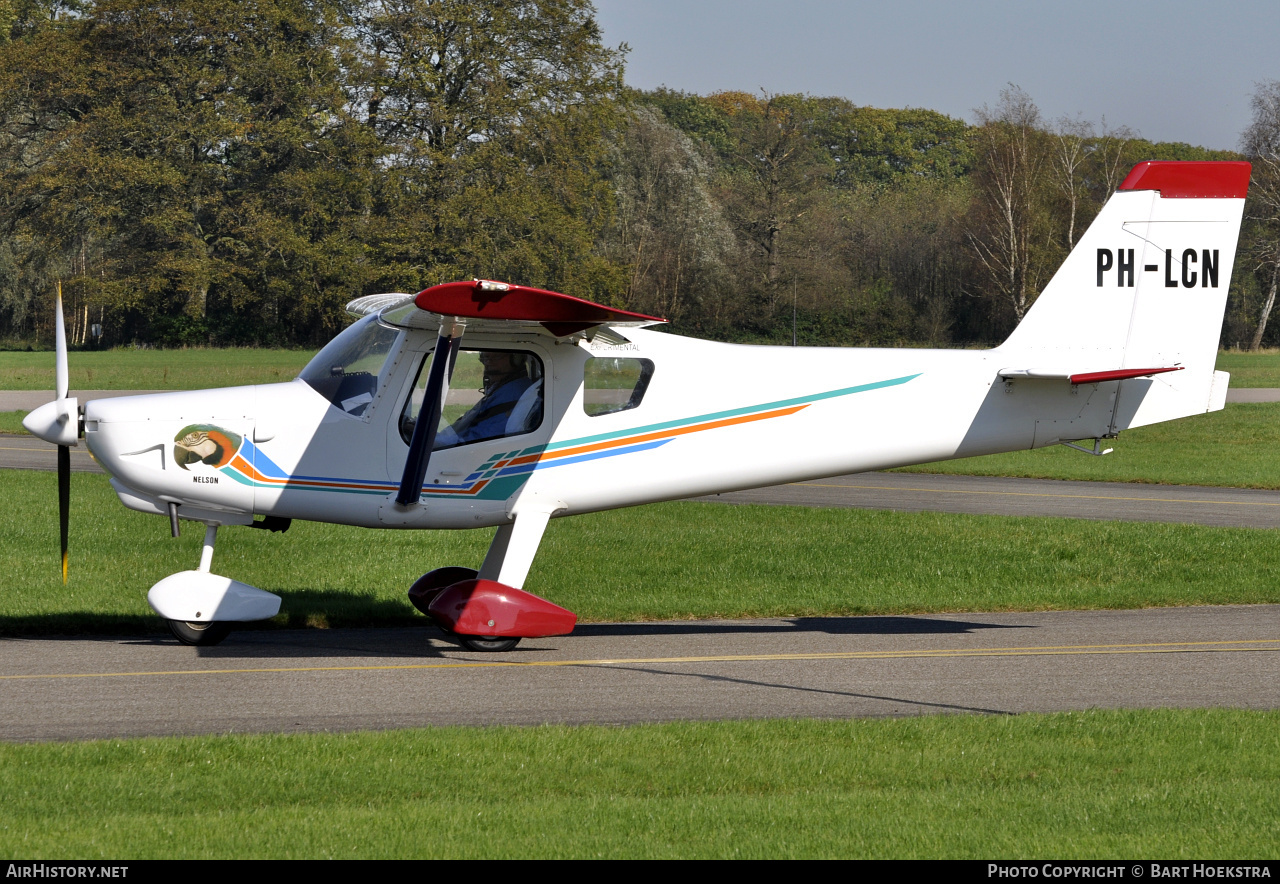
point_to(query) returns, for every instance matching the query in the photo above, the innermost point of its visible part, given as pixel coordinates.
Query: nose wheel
(201, 634)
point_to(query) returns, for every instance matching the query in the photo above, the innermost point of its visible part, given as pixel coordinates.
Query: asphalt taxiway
(623, 673)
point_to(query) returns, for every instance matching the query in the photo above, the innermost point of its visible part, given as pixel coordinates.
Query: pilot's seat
(526, 414)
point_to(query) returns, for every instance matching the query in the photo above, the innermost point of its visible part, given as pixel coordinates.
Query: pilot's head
(501, 366)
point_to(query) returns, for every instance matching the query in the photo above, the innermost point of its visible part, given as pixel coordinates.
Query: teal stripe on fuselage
(719, 415)
(502, 487)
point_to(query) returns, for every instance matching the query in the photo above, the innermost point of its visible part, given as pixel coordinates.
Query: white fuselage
(715, 417)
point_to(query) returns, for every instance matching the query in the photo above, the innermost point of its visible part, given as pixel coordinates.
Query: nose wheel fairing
(199, 606)
(201, 597)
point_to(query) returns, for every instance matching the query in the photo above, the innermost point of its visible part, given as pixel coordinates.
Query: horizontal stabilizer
(1084, 377)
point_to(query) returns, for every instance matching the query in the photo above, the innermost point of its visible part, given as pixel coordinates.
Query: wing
(491, 306)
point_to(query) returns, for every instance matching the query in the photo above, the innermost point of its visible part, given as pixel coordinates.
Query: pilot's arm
(487, 419)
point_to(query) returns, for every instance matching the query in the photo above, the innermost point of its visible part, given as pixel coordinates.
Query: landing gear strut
(486, 610)
(194, 632)
(200, 607)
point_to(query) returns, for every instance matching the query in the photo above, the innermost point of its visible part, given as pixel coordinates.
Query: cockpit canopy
(348, 370)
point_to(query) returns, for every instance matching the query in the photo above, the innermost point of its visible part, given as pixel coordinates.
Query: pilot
(506, 379)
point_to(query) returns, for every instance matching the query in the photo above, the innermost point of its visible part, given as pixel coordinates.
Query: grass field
(1251, 369)
(194, 369)
(197, 369)
(666, 561)
(1236, 447)
(1173, 784)
(11, 422)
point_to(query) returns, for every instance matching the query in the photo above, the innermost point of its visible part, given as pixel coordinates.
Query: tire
(491, 645)
(201, 634)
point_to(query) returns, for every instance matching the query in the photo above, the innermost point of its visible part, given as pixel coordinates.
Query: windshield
(346, 371)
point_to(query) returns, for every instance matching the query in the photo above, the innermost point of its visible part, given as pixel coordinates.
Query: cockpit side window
(614, 383)
(347, 370)
(492, 394)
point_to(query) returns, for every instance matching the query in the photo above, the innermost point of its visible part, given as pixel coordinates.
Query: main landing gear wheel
(202, 634)
(476, 643)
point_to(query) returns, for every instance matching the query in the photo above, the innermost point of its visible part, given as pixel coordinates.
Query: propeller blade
(58, 422)
(61, 371)
(64, 501)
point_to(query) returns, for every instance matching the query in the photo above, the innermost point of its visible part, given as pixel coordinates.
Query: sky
(1172, 71)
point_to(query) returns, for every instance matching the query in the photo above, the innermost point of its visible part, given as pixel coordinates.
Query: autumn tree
(889, 146)
(193, 152)
(493, 117)
(772, 175)
(1072, 145)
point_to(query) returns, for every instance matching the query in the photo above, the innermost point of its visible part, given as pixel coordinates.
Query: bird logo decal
(204, 443)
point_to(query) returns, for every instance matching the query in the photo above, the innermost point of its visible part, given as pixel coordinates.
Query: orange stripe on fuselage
(661, 434)
(247, 468)
(472, 489)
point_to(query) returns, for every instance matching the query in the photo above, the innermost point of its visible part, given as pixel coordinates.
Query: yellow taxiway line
(1270, 644)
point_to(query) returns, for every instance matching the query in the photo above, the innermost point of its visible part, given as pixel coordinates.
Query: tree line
(232, 172)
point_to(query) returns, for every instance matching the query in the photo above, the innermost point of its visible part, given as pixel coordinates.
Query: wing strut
(424, 431)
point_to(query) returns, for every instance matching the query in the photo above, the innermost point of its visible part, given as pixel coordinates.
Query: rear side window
(614, 383)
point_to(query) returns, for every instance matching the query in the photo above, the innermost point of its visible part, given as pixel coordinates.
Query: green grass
(11, 422)
(666, 561)
(1237, 447)
(1174, 784)
(195, 369)
(1196, 784)
(1251, 369)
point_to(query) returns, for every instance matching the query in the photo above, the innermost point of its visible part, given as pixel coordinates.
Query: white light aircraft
(481, 404)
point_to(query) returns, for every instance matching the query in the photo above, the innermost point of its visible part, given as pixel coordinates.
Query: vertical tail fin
(1146, 287)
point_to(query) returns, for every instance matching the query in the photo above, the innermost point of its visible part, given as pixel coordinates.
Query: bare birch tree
(1112, 158)
(1261, 143)
(1008, 233)
(668, 228)
(1071, 143)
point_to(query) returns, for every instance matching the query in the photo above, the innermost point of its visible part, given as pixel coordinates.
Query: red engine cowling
(488, 608)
